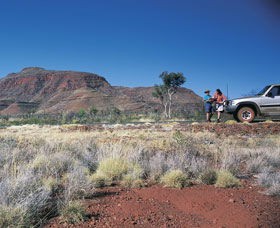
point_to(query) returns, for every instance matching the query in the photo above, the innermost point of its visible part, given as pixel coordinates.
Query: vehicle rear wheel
(246, 114)
(236, 117)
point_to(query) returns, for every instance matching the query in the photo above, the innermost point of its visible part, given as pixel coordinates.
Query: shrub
(55, 164)
(256, 164)
(130, 182)
(208, 177)
(231, 160)
(99, 180)
(11, 217)
(156, 166)
(175, 179)
(135, 171)
(77, 183)
(270, 179)
(73, 212)
(25, 193)
(51, 184)
(231, 122)
(268, 121)
(113, 168)
(225, 179)
(138, 183)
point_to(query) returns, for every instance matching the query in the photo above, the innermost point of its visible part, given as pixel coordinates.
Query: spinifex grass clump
(175, 179)
(225, 179)
(100, 180)
(12, 217)
(270, 179)
(129, 181)
(208, 177)
(113, 168)
(51, 184)
(73, 212)
(23, 200)
(116, 169)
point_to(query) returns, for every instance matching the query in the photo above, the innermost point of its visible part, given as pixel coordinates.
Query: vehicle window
(275, 91)
(262, 92)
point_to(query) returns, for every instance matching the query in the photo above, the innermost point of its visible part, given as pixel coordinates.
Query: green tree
(171, 82)
(82, 114)
(93, 111)
(160, 92)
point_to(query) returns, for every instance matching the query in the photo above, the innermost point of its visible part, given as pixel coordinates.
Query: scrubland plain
(49, 173)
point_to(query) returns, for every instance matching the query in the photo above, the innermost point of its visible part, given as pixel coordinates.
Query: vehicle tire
(246, 114)
(236, 117)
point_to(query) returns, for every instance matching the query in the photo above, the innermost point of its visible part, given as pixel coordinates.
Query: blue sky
(130, 42)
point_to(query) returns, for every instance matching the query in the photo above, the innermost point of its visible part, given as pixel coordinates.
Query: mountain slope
(38, 90)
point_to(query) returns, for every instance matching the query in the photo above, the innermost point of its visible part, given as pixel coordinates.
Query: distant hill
(38, 90)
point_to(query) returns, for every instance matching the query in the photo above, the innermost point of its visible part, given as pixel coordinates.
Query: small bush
(208, 177)
(127, 181)
(57, 164)
(73, 212)
(225, 179)
(99, 180)
(51, 184)
(138, 183)
(256, 164)
(175, 179)
(270, 179)
(77, 183)
(135, 171)
(11, 217)
(130, 182)
(231, 122)
(113, 168)
(268, 121)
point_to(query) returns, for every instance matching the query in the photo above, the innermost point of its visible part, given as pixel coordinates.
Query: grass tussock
(100, 180)
(73, 212)
(208, 177)
(130, 182)
(225, 179)
(270, 180)
(113, 168)
(175, 179)
(51, 184)
(231, 122)
(12, 217)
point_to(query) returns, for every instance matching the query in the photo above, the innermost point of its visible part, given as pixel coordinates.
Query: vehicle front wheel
(246, 114)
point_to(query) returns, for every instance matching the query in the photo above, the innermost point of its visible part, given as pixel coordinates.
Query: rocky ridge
(38, 90)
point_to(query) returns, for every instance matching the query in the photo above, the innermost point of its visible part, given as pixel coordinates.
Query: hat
(207, 91)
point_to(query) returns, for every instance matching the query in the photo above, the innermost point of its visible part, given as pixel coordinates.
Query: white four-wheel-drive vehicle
(265, 104)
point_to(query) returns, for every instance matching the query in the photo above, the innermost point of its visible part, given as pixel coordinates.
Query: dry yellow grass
(71, 156)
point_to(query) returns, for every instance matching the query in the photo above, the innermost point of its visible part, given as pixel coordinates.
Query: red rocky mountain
(38, 90)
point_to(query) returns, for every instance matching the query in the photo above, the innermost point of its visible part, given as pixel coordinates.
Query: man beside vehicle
(208, 105)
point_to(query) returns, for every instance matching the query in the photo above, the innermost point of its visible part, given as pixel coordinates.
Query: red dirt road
(197, 206)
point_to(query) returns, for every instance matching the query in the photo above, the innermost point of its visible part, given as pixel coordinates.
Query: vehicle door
(270, 103)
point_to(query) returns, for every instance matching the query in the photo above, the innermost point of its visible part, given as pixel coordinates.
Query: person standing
(208, 105)
(220, 98)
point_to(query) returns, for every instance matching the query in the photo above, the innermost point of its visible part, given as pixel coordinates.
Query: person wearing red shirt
(220, 98)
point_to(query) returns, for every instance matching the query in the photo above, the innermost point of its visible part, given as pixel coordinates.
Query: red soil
(197, 206)
(237, 129)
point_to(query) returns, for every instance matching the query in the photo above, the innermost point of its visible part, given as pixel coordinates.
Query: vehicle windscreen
(263, 90)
